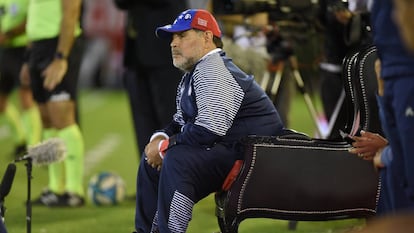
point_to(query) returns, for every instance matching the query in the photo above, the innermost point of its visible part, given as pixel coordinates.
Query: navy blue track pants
(165, 198)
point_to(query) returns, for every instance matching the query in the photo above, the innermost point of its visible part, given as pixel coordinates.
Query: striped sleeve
(218, 95)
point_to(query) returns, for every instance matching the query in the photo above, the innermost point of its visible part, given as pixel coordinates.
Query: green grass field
(110, 146)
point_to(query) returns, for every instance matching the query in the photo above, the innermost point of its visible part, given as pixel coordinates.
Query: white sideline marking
(100, 151)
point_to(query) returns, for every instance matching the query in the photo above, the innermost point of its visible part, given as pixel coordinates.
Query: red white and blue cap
(190, 19)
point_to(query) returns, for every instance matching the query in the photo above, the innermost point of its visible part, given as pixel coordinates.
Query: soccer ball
(106, 188)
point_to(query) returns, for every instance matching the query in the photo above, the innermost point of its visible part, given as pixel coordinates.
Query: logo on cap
(202, 22)
(187, 16)
(191, 19)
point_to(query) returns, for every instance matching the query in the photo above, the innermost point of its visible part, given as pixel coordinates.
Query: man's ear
(208, 36)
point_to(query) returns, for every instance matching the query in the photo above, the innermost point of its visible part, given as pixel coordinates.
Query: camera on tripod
(292, 17)
(291, 23)
(280, 9)
(243, 6)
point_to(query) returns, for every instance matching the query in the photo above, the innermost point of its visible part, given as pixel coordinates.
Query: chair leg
(222, 224)
(226, 227)
(223, 220)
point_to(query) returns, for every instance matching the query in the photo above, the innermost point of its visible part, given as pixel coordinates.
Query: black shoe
(71, 200)
(47, 198)
(51, 199)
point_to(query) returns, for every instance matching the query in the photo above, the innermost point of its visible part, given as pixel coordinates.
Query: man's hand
(368, 144)
(54, 73)
(152, 153)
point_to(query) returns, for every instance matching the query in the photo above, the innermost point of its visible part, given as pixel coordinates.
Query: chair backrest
(346, 114)
(350, 103)
(359, 107)
(366, 87)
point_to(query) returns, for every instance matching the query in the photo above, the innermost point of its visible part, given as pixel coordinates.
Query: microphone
(47, 152)
(7, 181)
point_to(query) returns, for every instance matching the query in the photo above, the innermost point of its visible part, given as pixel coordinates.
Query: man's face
(404, 17)
(187, 48)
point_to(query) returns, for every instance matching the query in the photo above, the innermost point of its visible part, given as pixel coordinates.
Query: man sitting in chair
(217, 105)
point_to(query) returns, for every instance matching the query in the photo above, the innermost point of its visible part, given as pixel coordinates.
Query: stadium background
(109, 141)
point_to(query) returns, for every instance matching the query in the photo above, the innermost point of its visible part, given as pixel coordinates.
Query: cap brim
(167, 30)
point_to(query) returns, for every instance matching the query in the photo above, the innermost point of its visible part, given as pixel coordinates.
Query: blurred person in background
(54, 31)
(345, 31)
(397, 103)
(334, 51)
(103, 31)
(258, 49)
(404, 17)
(25, 125)
(150, 76)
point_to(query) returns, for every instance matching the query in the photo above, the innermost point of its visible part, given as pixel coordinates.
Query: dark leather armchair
(295, 177)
